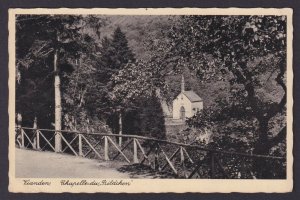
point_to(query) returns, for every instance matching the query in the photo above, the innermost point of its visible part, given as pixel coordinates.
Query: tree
(54, 36)
(122, 53)
(31, 98)
(249, 52)
(114, 54)
(80, 90)
(135, 88)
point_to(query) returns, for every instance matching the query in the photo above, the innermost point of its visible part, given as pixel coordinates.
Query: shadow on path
(143, 171)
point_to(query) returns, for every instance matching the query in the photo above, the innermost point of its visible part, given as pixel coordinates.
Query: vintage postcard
(150, 100)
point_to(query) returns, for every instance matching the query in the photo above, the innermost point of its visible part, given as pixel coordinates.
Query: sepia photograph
(115, 99)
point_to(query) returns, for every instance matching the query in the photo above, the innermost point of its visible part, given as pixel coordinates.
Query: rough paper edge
(157, 185)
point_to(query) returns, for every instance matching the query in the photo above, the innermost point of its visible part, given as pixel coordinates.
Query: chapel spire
(182, 83)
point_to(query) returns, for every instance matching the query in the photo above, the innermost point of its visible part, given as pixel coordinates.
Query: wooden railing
(185, 160)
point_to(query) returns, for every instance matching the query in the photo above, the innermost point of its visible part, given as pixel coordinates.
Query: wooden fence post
(120, 129)
(106, 157)
(19, 131)
(80, 145)
(38, 140)
(22, 138)
(156, 166)
(135, 156)
(182, 161)
(34, 132)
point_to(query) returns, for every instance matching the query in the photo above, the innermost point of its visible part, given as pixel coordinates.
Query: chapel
(186, 104)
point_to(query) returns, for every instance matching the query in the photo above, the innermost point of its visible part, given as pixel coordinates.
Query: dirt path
(32, 164)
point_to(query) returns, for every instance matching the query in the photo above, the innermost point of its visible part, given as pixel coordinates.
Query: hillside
(140, 30)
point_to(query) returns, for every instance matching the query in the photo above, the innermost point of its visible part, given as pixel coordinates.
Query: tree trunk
(57, 93)
(120, 129)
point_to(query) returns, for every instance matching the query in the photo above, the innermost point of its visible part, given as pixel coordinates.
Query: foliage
(135, 92)
(114, 56)
(31, 98)
(37, 38)
(68, 36)
(236, 63)
(145, 119)
(242, 48)
(135, 80)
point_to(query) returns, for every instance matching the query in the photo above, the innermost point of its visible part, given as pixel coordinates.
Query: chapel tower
(182, 84)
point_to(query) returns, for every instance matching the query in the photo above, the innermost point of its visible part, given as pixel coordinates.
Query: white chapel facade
(186, 104)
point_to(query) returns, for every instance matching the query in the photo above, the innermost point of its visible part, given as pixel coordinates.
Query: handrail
(164, 141)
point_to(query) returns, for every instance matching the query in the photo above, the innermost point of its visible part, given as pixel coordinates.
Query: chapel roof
(192, 96)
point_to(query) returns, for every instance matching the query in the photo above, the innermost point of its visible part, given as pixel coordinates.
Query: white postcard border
(153, 185)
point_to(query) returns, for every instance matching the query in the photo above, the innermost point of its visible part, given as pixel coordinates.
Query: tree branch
(279, 79)
(278, 138)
